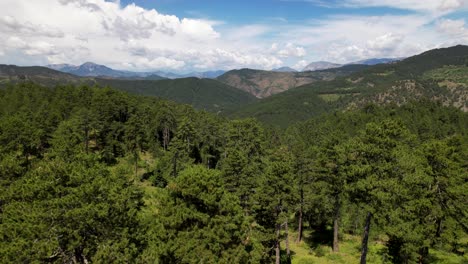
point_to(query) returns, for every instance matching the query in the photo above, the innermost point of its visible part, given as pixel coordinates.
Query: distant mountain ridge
(324, 65)
(321, 65)
(375, 61)
(284, 69)
(90, 69)
(201, 75)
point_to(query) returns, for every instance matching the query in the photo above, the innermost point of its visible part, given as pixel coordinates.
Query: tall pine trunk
(86, 140)
(335, 235)
(286, 229)
(165, 138)
(301, 208)
(365, 239)
(423, 254)
(174, 164)
(136, 165)
(277, 244)
(336, 226)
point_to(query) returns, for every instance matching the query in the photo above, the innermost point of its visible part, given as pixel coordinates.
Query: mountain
(266, 83)
(375, 61)
(284, 69)
(437, 75)
(206, 94)
(321, 65)
(90, 69)
(201, 75)
(206, 74)
(61, 67)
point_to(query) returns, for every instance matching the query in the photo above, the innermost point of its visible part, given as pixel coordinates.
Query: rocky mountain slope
(266, 83)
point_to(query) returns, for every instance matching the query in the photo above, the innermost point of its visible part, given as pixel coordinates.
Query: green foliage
(202, 221)
(64, 212)
(203, 94)
(92, 174)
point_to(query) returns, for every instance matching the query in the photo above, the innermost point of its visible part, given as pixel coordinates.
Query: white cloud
(128, 37)
(11, 25)
(385, 43)
(300, 65)
(452, 28)
(346, 38)
(158, 63)
(33, 48)
(132, 37)
(198, 29)
(290, 50)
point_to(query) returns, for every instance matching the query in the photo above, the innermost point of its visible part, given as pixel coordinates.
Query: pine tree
(67, 212)
(203, 222)
(375, 183)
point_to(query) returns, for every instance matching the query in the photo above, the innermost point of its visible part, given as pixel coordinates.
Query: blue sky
(198, 35)
(247, 11)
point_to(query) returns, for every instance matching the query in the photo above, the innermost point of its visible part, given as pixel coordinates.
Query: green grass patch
(307, 252)
(330, 97)
(458, 74)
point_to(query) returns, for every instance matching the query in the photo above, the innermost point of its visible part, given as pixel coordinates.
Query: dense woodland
(95, 175)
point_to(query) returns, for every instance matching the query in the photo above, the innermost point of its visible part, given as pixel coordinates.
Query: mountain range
(90, 69)
(282, 98)
(439, 75)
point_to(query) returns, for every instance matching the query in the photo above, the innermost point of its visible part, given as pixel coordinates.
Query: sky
(202, 35)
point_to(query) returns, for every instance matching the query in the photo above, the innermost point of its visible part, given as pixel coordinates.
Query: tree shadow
(319, 236)
(284, 257)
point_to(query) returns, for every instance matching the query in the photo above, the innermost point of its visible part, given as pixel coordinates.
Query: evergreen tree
(69, 212)
(202, 222)
(375, 183)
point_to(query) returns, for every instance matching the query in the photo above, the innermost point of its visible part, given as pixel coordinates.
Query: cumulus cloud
(290, 50)
(452, 27)
(11, 25)
(136, 38)
(82, 4)
(33, 48)
(300, 65)
(348, 38)
(385, 43)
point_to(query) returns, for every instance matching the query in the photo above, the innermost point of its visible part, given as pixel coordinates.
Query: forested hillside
(40, 75)
(203, 94)
(96, 175)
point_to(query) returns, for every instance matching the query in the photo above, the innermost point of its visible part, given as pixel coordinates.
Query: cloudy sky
(200, 35)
